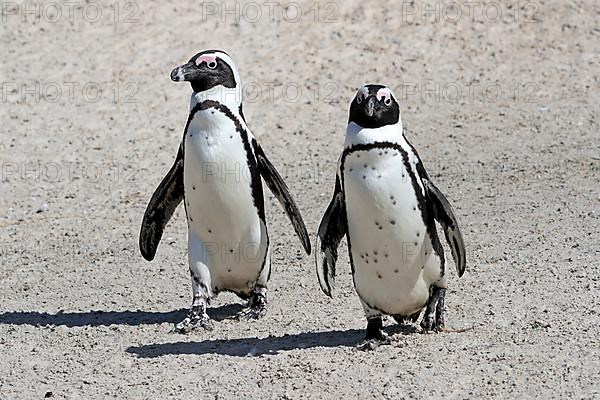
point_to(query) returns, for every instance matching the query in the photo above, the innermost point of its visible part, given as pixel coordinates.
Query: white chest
(389, 242)
(381, 199)
(217, 178)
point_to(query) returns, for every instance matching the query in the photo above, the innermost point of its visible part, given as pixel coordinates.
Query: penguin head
(374, 106)
(207, 69)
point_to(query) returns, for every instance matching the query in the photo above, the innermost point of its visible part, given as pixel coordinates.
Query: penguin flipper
(444, 214)
(332, 229)
(161, 207)
(278, 187)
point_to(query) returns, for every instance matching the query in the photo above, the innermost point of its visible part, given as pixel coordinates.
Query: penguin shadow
(272, 345)
(106, 318)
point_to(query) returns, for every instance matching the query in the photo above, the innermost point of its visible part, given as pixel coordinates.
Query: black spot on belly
(209, 230)
(386, 255)
(375, 261)
(379, 275)
(396, 271)
(193, 187)
(392, 222)
(364, 177)
(375, 252)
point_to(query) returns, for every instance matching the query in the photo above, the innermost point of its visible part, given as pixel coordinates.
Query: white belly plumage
(391, 251)
(226, 234)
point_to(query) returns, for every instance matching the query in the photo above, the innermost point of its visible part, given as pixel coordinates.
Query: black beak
(370, 106)
(186, 72)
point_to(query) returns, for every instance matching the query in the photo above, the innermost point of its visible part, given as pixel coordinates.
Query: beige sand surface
(505, 116)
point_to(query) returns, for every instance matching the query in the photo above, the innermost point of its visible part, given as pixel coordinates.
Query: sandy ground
(504, 113)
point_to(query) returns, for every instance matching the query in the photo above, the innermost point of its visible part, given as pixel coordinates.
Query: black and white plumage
(386, 205)
(218, 173)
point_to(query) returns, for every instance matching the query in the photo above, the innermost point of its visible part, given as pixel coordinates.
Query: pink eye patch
(363, 93)
(208, 58)
(384, 94)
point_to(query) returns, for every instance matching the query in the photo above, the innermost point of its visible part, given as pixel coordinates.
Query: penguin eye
(359, 99)
(211, 64)
(387, 101)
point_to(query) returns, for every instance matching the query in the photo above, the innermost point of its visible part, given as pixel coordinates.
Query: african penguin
(217, 173)
(386, 206)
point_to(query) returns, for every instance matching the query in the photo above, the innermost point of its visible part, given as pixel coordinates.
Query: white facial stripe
(224, 57)
(231, 97)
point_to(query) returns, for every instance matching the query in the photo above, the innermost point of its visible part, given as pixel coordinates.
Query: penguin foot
(434, 318)
(196, 319)
(372, 344)
(375, 335)
(257, 308)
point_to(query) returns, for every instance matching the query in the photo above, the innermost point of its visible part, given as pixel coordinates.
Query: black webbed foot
(375, 335)
(257, 307)
(196, 319)
(434, 317)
